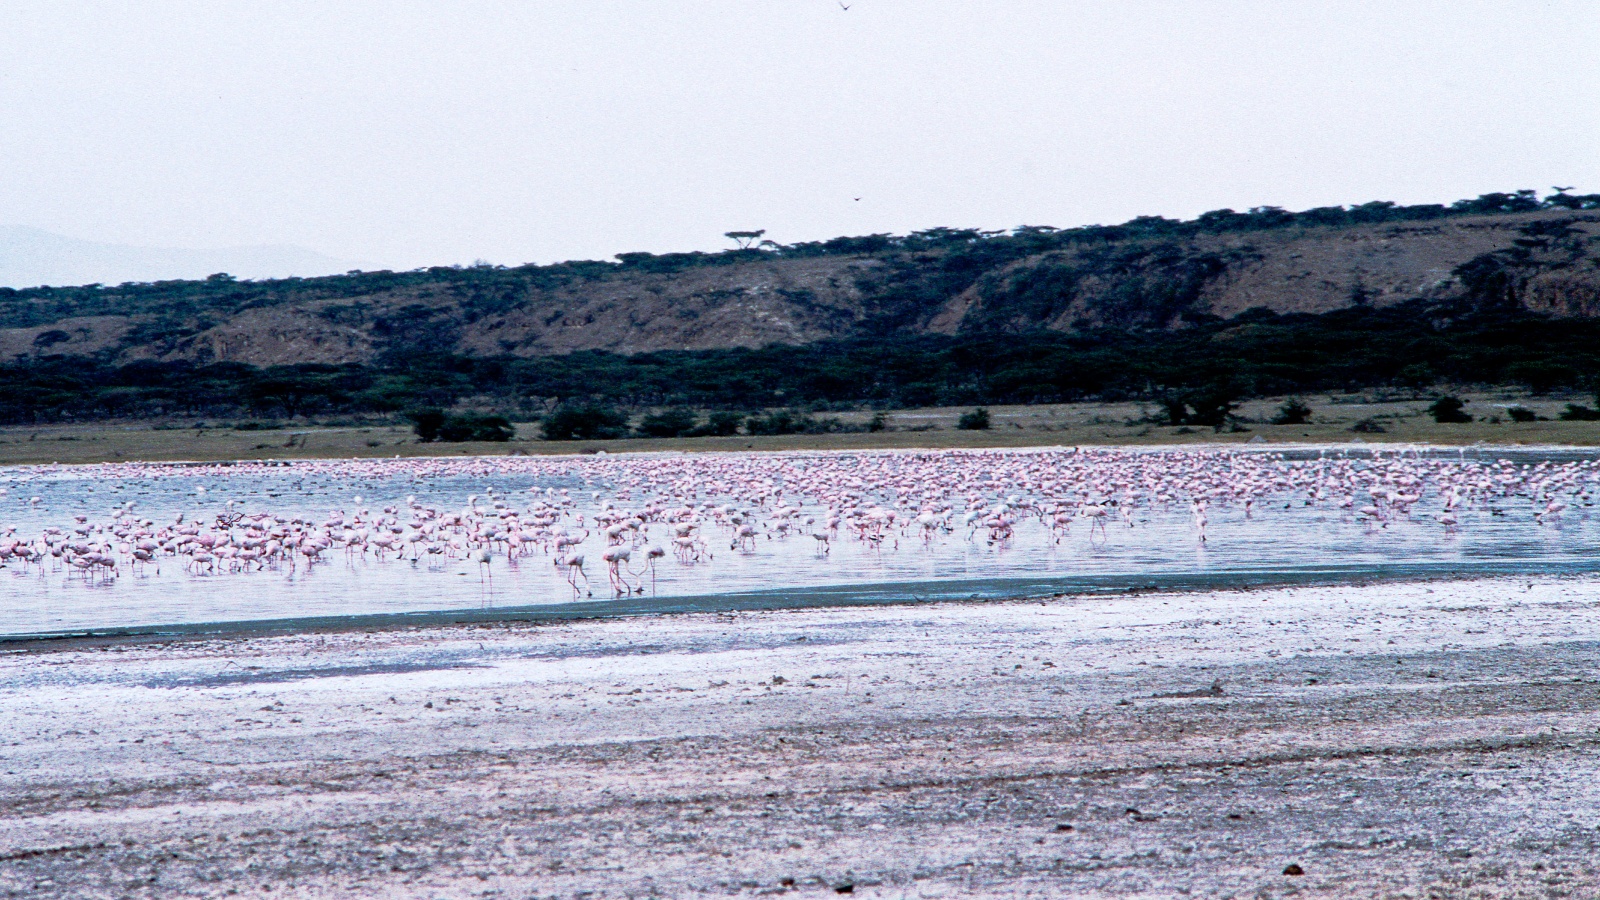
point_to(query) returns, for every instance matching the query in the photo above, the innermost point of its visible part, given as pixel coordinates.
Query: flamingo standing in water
(824, 547)
(572, 563)
(876, 497)
(650, 556)
(614, 558)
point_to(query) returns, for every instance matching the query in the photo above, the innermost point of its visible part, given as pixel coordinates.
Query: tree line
(1412, 346)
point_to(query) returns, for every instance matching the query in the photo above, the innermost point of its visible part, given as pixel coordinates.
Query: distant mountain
(30, 257)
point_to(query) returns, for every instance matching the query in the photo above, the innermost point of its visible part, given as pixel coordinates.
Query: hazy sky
(406, 134)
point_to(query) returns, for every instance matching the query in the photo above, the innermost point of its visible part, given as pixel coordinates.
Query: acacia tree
(745, 238)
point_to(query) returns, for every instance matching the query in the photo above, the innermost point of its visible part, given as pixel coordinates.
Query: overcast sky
(406, 134)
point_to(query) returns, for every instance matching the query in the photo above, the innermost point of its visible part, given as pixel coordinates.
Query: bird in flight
(1560, 190)
(858, 199)
(843, 6)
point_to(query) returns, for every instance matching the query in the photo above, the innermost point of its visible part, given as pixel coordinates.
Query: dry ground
(1392, 740)
(1074, 424)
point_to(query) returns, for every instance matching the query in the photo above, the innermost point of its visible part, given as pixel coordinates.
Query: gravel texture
(1387, 740)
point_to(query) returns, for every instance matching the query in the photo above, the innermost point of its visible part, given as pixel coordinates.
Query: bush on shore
(977, 420)
(1449, 410)
(1294, 411)
(583, 422)
(433, 425)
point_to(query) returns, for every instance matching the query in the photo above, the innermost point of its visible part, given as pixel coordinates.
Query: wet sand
(1436, 739)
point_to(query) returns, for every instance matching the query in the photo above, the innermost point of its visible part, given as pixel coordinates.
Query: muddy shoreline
(990, 590)
(1402, 739)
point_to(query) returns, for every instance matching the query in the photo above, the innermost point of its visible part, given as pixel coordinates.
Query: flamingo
(614, 558)
(572, 563)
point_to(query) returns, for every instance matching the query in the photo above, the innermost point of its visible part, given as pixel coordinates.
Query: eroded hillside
(950, 283)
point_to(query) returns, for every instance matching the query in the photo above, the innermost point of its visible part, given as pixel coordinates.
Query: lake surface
(1281, 538)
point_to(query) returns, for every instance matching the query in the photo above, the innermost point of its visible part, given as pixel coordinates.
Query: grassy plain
(1403, 420)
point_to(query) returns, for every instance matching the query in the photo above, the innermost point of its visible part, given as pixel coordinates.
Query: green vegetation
(788, 421)
(668, 423)
(1199, 371)
(680, 422)
(718, 424)
(436, 425)
(1449, 410)
(1211, 405)
(583, 421)
(1294, 411)
(977, 420)
(1577, 412)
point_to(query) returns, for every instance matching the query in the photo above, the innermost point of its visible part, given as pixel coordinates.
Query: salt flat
(1431, 739)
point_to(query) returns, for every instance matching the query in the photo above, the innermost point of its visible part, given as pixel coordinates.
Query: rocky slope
(1547, 261)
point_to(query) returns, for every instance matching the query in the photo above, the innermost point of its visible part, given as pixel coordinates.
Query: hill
(1502, 288)
(1148, 273)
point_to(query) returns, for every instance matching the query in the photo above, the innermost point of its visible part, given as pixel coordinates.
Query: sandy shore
(1414, 740)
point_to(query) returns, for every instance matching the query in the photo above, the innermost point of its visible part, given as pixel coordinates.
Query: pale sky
(404, 134)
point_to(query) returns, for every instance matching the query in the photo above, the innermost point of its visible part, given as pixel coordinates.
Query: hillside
(1500, 290)
(1151, 273)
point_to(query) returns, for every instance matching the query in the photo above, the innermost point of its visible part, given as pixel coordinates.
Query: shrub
(879, 422)
(1522, 414)
(1212, 406)
(583, 422)
(1448, 410)
(668, 423)
(718, 424)
(426, 423)
(780, 422)
(1176, 410)
(1294, 411)
(435, 425)
(475, 427)
(1576, 412)
(786, 421)
(977, 420)
(1368, 426)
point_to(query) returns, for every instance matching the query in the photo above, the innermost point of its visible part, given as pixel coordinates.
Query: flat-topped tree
(745, 238)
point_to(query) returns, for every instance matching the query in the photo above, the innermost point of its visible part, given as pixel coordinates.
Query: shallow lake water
(1281, 538)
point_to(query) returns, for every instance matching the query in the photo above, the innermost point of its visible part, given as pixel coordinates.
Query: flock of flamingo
(627, 514)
